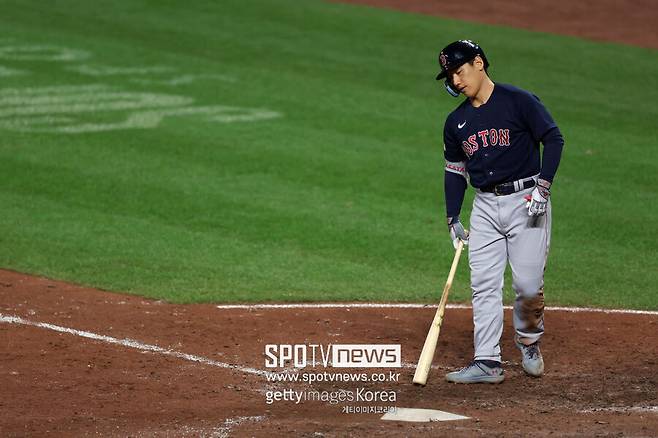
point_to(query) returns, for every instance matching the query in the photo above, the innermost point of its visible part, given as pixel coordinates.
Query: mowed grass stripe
(341, 198)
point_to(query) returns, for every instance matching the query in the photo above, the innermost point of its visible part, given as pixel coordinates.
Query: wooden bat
(426, 356)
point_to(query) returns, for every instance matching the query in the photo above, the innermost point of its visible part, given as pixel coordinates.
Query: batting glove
(538, 201)
(457, 231)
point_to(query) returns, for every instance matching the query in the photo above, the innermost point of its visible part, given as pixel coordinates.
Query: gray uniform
(496, 147)
(501, 231)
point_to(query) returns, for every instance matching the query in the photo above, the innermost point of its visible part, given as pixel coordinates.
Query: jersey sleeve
(452, 150)
(553, 143)
(544, 130)
(454, 188)
(455, 172)
(536, 116)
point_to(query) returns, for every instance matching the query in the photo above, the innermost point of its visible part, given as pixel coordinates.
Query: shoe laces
(469, 366)
(532, 351)
(472, 364)
(477, 363)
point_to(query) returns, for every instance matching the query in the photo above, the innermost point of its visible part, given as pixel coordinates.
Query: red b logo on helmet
(443, 59)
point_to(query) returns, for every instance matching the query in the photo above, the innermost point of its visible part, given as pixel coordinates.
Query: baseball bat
(426, 356)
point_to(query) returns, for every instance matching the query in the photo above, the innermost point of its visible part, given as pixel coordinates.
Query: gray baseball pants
(502, 232)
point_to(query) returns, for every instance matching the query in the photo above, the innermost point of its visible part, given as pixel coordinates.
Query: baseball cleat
(478, 371)
(533, 363)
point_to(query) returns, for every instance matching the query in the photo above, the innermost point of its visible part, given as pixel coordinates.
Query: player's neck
(484, 93)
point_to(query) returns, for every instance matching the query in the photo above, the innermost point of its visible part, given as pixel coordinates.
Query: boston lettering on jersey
(495, 137)
(500, 140)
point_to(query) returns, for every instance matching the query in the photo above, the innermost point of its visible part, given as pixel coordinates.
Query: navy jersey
(499, 141)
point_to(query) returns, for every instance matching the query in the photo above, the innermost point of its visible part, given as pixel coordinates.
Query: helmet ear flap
(450, 89)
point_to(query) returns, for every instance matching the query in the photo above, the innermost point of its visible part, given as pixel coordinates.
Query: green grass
(341, 198)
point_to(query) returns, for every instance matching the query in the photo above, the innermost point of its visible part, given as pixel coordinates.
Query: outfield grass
(338, 198)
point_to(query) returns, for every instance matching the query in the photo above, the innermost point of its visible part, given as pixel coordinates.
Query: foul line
(131, 343)
(641, 409)
(414, 306)
(225, 430)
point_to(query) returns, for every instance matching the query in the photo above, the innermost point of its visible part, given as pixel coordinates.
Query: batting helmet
(458, 53)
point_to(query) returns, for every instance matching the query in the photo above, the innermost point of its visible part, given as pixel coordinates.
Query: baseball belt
(509, 187)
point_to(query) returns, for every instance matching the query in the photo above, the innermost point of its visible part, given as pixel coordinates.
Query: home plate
(421, 415)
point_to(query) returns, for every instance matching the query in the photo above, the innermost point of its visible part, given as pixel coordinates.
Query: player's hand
(538, 200)
(457, 231)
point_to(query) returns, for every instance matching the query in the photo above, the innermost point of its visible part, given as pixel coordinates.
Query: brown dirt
(624, 21)
(601, 368)
(600, 380)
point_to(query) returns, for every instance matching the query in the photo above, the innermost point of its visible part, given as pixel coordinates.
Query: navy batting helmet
(458, 53)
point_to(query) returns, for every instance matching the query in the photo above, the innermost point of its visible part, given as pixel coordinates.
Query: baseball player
(492, 140)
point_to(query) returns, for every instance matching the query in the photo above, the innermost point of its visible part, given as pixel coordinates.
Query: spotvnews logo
(333, 355)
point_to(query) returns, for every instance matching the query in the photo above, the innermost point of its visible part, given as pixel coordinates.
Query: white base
(421, 415)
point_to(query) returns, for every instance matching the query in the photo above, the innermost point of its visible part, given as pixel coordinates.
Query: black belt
(509, 187)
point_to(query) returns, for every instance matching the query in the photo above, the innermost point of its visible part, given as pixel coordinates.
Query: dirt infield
(77, 361)
(622, 21)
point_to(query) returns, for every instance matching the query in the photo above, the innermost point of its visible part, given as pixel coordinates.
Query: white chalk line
(622, 409)
(131, 343)
(225, 430)
(434, 367)
(413, 306)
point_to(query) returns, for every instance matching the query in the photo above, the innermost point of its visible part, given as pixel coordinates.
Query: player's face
(468, 77)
